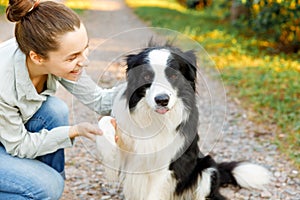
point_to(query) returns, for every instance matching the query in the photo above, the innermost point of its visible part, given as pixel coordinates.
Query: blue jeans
(43, 177)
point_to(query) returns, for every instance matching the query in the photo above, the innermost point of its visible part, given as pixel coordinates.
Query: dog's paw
(106, 143)
(108, 126)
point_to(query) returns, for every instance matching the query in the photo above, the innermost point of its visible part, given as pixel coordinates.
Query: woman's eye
(72, 58)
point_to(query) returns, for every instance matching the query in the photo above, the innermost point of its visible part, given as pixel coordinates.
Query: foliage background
(277, 21)
(3, 4)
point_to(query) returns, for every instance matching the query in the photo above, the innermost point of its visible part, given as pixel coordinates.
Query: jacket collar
(24, 86)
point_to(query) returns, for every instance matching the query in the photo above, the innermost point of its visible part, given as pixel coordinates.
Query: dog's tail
(243, 174)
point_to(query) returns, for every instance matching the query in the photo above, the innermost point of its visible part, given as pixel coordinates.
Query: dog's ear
(131, 61)
(191, 63)
(191, 57)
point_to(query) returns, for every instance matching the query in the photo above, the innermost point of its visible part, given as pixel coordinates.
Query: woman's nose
(84, 60)
(84, 63)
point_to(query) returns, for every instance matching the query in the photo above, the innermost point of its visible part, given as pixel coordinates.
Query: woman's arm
(19, 142)
(90, 94)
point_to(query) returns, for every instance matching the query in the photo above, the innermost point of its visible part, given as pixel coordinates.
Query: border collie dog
(155, 155)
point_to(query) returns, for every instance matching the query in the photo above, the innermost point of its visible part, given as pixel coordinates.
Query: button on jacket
(19, 101)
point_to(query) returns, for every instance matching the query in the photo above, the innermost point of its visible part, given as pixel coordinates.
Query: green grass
(3, 4)
(2, 9)
(268, 84)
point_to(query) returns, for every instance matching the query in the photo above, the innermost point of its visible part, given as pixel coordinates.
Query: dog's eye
(173, 76)
(147, 77)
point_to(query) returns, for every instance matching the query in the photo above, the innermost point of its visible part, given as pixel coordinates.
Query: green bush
(3, 4)
(274, 21)
(195, 4)
(277, 21)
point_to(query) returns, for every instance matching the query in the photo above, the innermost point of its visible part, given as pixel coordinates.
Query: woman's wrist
(73, 132)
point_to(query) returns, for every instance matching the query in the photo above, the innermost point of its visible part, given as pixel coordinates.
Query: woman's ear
(36, 58)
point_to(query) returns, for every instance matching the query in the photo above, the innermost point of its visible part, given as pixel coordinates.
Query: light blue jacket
(19, 101)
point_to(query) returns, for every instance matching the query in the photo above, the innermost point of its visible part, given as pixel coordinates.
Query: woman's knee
(51, 188)
(53, 113)
(26, 178)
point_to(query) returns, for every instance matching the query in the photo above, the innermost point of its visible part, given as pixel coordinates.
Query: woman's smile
(77, 71)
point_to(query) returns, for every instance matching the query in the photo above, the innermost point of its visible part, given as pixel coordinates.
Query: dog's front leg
(106, 147)
(162, 186)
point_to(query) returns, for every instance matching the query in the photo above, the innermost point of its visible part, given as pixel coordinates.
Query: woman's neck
(37, 76)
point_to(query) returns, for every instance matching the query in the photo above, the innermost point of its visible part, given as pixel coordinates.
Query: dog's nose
(162, 100)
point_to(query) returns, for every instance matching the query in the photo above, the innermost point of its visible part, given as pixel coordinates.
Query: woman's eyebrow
(75, 53)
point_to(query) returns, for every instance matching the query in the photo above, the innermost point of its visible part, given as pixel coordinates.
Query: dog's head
(160, 75)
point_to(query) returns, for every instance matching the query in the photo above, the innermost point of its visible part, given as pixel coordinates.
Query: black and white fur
(156, 156)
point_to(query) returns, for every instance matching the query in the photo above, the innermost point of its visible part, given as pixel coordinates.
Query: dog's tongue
(162, 110)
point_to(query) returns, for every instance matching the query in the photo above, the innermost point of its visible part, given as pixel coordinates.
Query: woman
(50, 47)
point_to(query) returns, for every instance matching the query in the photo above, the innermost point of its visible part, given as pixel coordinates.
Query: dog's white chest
(158, 185)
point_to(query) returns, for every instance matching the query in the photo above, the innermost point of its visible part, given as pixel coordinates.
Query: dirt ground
(115, 31)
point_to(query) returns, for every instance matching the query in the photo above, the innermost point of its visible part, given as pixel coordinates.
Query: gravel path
(240, 139)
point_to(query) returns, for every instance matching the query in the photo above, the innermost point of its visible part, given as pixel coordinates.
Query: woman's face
(71, 56)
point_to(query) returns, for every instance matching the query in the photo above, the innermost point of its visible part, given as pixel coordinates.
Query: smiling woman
(50, 47)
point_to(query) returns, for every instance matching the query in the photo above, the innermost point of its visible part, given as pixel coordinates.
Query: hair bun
(17, 9)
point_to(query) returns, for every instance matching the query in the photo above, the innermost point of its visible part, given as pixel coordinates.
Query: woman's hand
(84, 129)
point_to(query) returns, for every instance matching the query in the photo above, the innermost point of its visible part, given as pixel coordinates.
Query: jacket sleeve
(90, 94)
(19, 142)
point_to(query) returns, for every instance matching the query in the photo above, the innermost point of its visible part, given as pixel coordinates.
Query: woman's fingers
(90, 136)
(85, 129)
(114, 123)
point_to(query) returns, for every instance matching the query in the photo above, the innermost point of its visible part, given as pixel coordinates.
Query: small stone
(283, 184)
(105, 197)
(282, 196)
(278, 185)
(277, 174)
(265, 194)
(269, 159)
(92, 192)
(294, 173)
(290, 192)
(282, 179)
(291, 182)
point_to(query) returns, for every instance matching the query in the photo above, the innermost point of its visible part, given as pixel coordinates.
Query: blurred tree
(3, 2)
(239, 10)
(275, 20)
(195, 4)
